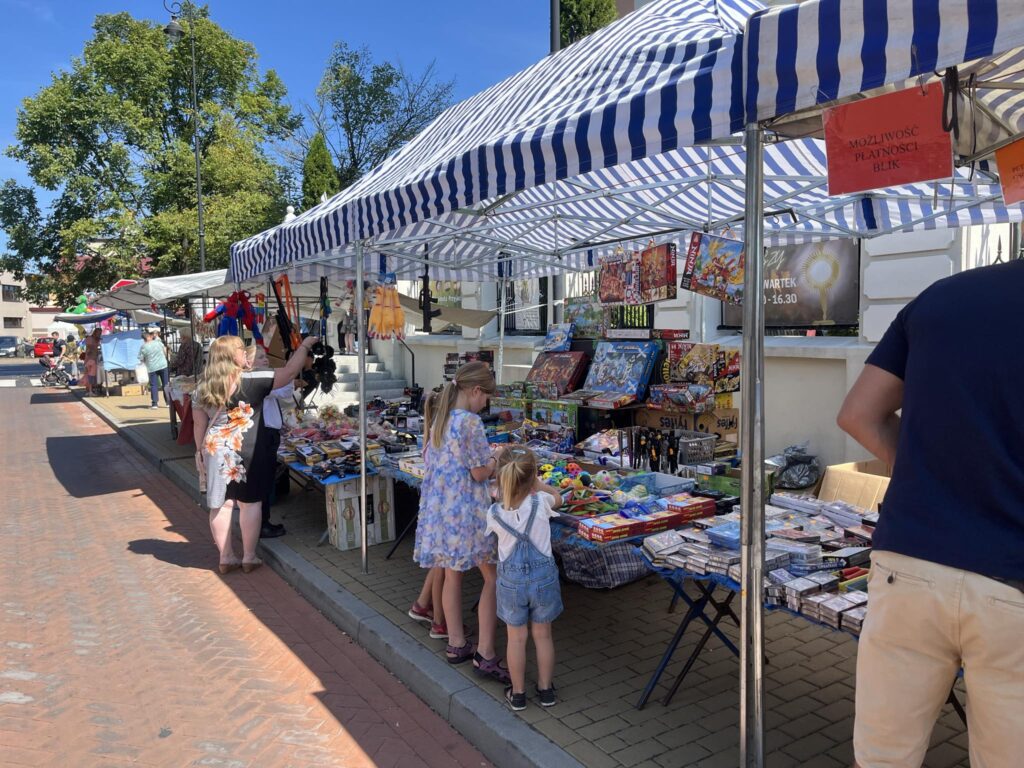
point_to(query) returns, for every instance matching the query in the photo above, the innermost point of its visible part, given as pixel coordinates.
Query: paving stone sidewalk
(120, 645)
(609, 642)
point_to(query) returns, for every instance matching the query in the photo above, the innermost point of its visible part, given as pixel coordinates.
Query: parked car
(42, 347)
(9, 346)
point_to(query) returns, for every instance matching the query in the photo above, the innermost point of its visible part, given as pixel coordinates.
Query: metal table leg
(722, 609)
(402, 535)
(696, 608)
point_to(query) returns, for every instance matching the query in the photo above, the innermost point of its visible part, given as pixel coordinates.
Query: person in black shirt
(939, 401)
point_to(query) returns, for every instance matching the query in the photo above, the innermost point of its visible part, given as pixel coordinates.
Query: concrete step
(354, 359)
(372, 385)
(342, 399)
(352, 366)
(370, 376)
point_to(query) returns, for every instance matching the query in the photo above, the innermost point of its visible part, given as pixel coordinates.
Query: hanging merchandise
(233, 309)
(323, 367)
(714, 267)
(287, 313)
(387, 318)
(657, 272)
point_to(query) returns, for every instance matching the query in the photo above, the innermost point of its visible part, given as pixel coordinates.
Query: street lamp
(175, 32)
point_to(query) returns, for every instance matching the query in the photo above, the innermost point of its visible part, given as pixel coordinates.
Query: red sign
(887, 141)
(1010, 162)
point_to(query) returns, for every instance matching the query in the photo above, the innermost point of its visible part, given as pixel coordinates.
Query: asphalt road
(19, 371)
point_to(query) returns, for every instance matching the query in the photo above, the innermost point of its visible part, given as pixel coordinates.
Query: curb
(501, 736)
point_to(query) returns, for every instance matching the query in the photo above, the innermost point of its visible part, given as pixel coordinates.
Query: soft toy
(605, 479)
(236, 307)
(81, 306)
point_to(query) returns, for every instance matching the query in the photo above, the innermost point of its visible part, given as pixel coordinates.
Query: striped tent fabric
(668, 75)
(819, 51)
(593, 148)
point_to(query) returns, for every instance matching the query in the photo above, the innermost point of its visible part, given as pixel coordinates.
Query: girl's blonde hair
(475, 374)
(221, 373)
(517, 473)
(429, 409)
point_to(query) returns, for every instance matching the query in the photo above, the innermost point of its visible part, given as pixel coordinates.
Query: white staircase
(379, 383)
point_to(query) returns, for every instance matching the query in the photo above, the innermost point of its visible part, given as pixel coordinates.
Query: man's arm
(869, 413)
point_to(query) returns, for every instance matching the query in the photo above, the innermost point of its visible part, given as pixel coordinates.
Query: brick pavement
(608, 643)
(119, 645)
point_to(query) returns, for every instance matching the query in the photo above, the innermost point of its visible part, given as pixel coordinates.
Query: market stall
(601, 157)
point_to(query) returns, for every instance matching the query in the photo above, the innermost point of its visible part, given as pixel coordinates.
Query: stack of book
(803, 558)
(848, 557)
(842, 514)
(810, 605)
(799, 502)
(834, 609)
(853, 619)
(659, 546)
(797, 589)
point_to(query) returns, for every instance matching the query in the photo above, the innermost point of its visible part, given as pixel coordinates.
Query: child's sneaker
(516, 701)
(547, 697)
(439, 631)
(420, 614)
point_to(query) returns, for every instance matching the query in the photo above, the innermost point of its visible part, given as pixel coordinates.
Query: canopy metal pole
(502, 287)
(361, 339)
(752, 468)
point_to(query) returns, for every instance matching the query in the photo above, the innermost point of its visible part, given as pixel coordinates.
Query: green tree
(366, 110)
(111, 138)
(579, 18)
(319, 176)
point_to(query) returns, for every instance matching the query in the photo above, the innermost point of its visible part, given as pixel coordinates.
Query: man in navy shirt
(941, 400)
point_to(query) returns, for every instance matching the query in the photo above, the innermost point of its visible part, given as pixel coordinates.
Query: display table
(717, 593)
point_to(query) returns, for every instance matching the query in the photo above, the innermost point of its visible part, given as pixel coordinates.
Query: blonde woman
(454, 500)
(228, 416)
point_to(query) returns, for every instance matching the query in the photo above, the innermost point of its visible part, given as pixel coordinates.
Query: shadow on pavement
(48, 398)
(81, 464)
(184, 554)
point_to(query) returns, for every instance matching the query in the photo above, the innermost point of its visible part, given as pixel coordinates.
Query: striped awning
(667, 76)
(622, 138)
(798, 57)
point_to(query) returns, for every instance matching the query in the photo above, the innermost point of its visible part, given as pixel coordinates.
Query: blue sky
(477, 43)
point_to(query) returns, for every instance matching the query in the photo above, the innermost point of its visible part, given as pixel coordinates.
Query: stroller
(54, 375)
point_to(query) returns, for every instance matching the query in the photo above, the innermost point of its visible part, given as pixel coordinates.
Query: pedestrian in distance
(454, 497)
(153, 354)
(227, 420)
(938, 401)
(529, 596)
(92, 360)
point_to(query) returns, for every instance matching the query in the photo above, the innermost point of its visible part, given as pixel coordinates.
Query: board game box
(690, 363)
(559, 337)
(588, 317)
(714, 267)
(564, 370)
(658, 273)
(618, 280)
(622, 367)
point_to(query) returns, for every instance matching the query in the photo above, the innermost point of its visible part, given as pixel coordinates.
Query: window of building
(11, 293)
(12, 322)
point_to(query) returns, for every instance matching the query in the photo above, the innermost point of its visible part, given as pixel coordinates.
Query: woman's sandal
(225, 568)
(459, 655)
(251, 565)
(491, 668)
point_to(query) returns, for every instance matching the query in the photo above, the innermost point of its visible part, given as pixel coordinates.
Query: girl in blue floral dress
(454, 500)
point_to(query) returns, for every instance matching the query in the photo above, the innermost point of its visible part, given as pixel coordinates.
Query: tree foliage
(111, 138)
(366, 110)
(319, 176)
(579, 18)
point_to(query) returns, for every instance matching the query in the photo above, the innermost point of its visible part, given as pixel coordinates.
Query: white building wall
(14, 315)
(806, 379)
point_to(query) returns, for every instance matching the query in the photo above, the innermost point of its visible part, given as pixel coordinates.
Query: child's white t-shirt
(540, 534)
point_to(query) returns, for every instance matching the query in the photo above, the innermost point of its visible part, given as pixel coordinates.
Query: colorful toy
(236, 307)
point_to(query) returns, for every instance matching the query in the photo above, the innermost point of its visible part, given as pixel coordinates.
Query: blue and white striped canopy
(593, 147)
(820, 51)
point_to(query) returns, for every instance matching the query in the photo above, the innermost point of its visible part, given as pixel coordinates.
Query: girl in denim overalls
(528, 589)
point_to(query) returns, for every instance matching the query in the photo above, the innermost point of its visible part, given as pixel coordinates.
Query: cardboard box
(861, 483)
(343, 530)
(132, 390)
(730, 484)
